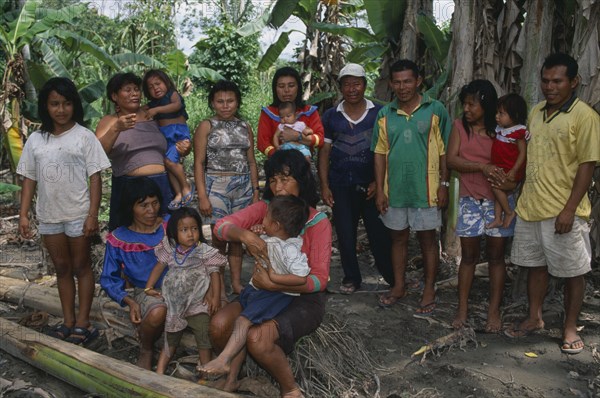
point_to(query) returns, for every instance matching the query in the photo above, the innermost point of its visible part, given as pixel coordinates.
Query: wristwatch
(299, 136)
(445, 184)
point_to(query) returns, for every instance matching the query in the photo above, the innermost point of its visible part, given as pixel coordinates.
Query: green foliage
(228, 53)
(436, 40)
(5, 188)
(273, 52)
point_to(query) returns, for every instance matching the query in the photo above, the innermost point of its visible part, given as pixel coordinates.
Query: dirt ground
(478, 365)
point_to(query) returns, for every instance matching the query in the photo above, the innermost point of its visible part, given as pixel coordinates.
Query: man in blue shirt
(346, 172)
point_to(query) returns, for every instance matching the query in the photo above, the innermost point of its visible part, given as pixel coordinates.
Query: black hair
(137, 190)
(402, 65)
(178, 215)
(287, 105)
(341, 80)
(285, 72)
(290, 212)
(515, 106)
(224, 85)
(67, 89)
(292, 163)
(162, 76)
(561, 59)
(118, 81)
(484, 92)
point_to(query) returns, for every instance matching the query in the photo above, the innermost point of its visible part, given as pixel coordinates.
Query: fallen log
(93, 372)
(105, 313)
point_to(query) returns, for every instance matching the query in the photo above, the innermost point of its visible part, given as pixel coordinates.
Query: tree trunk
(93, 372)
(534, 45)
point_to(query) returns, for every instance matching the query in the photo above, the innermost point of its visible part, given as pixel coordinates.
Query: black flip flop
(60, 332)
(82, 336)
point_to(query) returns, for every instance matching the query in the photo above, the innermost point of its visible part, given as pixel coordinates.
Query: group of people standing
(388, 165)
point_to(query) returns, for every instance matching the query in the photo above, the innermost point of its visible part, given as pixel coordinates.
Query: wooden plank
(93, 372)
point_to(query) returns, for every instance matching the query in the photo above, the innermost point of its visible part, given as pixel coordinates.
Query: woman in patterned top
(224, 166)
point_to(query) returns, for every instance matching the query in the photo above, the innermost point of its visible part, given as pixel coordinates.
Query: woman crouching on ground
(287, 173)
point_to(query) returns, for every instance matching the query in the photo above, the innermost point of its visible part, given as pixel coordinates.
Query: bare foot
(459, 322)
(216, 367)
(145, 359)
(295, 393)
(525, 328)
(508, 218)
(494, 323)
(494, 224)
(236, 287)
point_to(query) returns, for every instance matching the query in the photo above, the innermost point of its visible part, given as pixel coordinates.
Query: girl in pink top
(509, 152)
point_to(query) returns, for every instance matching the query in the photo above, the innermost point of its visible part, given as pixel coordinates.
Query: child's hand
(213, 304)
(152, 292)
(24, 227)
(510, 176)
(90, 226)
(151, 112)
(258, 229)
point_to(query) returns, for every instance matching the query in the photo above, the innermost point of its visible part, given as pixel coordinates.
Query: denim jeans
(351, 204)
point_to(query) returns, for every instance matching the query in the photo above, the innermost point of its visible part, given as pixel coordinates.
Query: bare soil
(482, 365)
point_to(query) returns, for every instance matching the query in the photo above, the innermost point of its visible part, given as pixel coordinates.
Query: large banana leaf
(51, 59)
(273, 52)
(18, 28)
(282, 10)
(176, 62)
(359, 35)
(47, 19)
(73, 40)
(360, 55)
(255, 26)
(435, 40)
(131, 59)
(92, 92)
(205, 73)
(4, 188)
(386, 17)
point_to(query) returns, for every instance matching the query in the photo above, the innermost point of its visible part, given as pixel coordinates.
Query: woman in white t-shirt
(59, 159)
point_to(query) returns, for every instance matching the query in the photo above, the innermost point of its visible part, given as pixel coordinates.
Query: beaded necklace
(185, 255)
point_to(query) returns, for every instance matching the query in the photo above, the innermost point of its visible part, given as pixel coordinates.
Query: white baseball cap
(352, 70)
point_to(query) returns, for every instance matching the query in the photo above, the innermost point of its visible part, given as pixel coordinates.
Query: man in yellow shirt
(552, 233)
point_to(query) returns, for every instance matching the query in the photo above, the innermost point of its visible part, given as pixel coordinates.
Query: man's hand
(381, 201)
(564, 221)
(442, 197)
(327, 196)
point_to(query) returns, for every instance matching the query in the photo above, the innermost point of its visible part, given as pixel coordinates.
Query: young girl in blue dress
(60, 160)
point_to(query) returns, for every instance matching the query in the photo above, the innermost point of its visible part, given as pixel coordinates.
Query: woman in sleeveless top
(224, 166)
(133, 143)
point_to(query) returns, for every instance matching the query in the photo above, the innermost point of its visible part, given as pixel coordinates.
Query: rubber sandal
(60, 332)
(189, 197)
(569, 347)
(174, 205)
(414, 285)
(427, 309)
(82, 336)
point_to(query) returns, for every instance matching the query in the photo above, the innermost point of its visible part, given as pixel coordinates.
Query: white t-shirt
(61, 165)
(286, 257)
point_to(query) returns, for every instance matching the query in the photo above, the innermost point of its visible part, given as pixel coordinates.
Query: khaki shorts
(147, 303)
(566, 255)
(400, 218)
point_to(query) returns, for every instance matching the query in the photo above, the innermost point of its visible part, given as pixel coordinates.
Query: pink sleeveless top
(476, 148)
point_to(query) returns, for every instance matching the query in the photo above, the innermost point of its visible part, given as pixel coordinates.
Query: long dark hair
(67, 89)
(180, 214)
(162, 76)
(225, 85)
(137, 190)
(284, 72)
(485, 93)
(292, 163)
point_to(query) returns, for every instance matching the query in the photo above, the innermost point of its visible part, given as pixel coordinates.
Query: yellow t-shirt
(559, 144)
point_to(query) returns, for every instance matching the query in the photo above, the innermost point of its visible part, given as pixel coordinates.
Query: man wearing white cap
(347, 177)
(409, 141)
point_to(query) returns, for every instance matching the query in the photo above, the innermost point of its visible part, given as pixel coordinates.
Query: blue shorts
(175, 133)
(262, 305)
(299, 147)
(227, 194)
(475, 214)
(73, 229)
